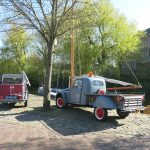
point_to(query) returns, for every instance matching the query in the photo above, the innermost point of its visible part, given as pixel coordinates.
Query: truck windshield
(12, 80)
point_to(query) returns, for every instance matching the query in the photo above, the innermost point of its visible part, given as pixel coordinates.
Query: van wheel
(60, 102)
(121, 114)
(12, 104)
(100, 113)
(25, 103)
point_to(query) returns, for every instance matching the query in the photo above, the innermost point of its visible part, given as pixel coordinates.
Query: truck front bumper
(132, 109)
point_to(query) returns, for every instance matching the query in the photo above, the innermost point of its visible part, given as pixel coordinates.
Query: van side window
(98, 83)
(78, 83)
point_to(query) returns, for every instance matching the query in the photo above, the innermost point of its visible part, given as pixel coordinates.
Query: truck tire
(25, 103)
(141, 111)
(60, 102)
(100, 113)
(121, 114)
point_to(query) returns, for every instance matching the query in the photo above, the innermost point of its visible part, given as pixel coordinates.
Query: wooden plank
(125, 88)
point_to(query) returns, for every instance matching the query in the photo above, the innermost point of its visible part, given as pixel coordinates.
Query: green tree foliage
(7, 66)
(15, 49)
(49, 18)
(35, 70)
(105, 37)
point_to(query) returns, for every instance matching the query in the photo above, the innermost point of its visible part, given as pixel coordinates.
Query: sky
(135, 10)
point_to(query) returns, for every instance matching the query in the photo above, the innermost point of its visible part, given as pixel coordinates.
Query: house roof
(147, 31)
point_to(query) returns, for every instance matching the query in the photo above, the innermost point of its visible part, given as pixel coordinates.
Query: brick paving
(73, 128)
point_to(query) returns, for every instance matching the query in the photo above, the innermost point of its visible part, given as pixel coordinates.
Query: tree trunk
(46, 100)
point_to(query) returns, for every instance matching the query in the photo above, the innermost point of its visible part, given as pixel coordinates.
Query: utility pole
(72, 53)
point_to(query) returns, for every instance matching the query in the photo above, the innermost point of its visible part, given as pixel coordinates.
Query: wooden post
(72, 53)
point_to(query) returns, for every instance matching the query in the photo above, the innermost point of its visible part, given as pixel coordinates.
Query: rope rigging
(131, 70)
(132, 73)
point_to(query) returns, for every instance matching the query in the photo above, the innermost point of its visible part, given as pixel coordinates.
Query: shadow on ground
(7, 107)
(71, 121)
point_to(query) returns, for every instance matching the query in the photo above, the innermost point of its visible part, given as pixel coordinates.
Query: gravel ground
(71, 128)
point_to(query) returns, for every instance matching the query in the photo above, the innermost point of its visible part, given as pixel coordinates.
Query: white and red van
(13, 89)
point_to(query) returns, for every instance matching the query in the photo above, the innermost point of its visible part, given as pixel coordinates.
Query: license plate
(11, 97)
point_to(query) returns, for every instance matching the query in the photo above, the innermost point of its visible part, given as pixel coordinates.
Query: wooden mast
(72, 53)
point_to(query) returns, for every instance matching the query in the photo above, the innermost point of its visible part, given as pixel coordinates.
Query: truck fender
(105, 102)
(61, 94)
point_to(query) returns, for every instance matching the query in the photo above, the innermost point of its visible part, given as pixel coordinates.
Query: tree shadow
(70, 121)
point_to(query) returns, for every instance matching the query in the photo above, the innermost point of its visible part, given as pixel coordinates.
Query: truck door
(75, 92)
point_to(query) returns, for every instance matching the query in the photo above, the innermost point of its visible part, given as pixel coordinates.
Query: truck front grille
(132, 104)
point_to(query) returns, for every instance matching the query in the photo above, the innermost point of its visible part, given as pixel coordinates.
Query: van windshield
(12, 80)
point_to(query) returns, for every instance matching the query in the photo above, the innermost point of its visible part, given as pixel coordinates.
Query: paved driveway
(72, 128)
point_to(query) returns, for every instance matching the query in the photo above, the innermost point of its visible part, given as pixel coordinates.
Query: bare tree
(50, 18)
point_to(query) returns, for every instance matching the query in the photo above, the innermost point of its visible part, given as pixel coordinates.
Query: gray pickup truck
(91, 91)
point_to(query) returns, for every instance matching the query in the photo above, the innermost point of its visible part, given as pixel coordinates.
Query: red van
(13, 89)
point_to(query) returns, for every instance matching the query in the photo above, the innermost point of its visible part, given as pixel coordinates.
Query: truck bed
(127, 102)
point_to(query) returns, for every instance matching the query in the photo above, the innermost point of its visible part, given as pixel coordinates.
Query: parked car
(13, 89)
(40, 90)
(53, 91)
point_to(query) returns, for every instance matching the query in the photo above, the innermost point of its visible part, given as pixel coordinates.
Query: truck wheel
(25, 103)
(60, 102)
(121, 114)
(141, 111)
(100, 113)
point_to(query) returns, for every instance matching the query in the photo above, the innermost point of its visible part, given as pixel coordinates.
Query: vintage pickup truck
(90, 90)
(13, 89)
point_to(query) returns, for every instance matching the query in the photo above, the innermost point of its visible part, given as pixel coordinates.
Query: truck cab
(83, 86)
(91, 91)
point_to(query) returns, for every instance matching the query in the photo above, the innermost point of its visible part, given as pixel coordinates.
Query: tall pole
(72, 53)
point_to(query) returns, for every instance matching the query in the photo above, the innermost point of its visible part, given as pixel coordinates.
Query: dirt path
(72, 128)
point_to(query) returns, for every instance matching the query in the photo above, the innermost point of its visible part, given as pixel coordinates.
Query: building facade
(140, 66)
